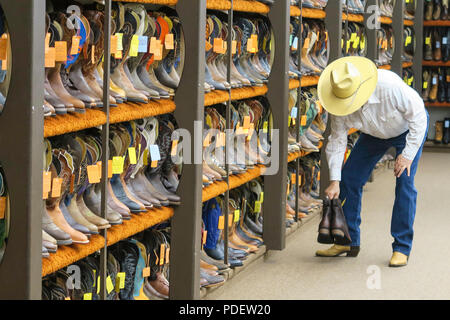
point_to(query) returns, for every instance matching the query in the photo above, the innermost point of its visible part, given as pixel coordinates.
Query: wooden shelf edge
(73, 122)
(437, 104)
(250, 6)
(220, 187)
(436, 23)
(432, 63)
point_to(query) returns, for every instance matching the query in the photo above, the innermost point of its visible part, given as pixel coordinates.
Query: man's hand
(400, 165)
(333, 190)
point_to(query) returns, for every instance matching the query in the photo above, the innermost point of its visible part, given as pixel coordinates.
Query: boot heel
(353, 253)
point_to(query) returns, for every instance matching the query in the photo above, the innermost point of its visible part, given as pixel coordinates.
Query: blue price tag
(154, 152)
(295, 43)
(294, 112)
(143, 44)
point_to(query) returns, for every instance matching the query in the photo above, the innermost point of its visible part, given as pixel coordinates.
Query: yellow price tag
(87, 296)
(257, 206)
(134, 47)
(117, 165)
(109, 285)
(237, 214)
(132, 155)
(120, 281)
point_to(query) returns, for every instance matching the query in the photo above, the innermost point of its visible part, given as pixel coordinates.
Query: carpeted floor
(296, 273)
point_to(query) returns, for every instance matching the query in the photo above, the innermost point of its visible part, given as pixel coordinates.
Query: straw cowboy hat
(347, 84)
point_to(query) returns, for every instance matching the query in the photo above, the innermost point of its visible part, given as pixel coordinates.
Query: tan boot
(398, 260)
(336, 250)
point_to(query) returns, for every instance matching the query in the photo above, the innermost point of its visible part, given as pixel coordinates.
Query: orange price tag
(306, 43)
(254, 38)
(208, 46)
(162, 252)
(2, 207)
(293, 178)
(153, 45)
(174, 148)
(110, 174)
(75, 45)
(118, 55)
(93, 175)
(72, 182)
(50, 58)
(3, 48)
(303, 120)
(221, 225)
(113, 44)
(218, 45)
(233, 47)
(61, 51)
(56, 187)
(146, 272)
(167, 255)
(230, 219)
(47, 181)
(47, 42)
(93, 54)
(225, 47)
(250, 45)
(158, 54)
(154, 164)
(246, 122)
(204, 234)
(168, 42)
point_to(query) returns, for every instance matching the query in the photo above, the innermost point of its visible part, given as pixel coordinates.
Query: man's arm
(412, 107)
(336, 146)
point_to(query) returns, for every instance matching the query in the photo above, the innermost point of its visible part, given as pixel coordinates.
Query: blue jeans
(367, 152)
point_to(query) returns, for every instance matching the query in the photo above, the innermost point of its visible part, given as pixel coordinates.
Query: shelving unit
(22, 269)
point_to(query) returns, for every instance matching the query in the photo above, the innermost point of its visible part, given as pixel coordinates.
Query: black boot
(442, 88)
(325, 224)
(446, 137)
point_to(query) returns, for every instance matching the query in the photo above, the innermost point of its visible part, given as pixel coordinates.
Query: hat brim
(342, 107)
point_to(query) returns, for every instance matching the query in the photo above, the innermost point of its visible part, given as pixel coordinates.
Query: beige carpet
(296, 273)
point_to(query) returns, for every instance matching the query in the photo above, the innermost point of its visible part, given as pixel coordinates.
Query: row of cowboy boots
(243, 214)
(251, 121)
(354, 40)
(436, 46)
(308, 188)
(436, 10)
(139, 72)
(139, 179)
(436, 84)
(310, 132)
(252, 57)
(136, 270)
(314, 50)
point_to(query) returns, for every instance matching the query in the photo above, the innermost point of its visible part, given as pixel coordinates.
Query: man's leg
(367, 152)
(404, 210)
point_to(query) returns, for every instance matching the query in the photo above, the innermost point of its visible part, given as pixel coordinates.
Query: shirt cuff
(335, 175)
(409, 153)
